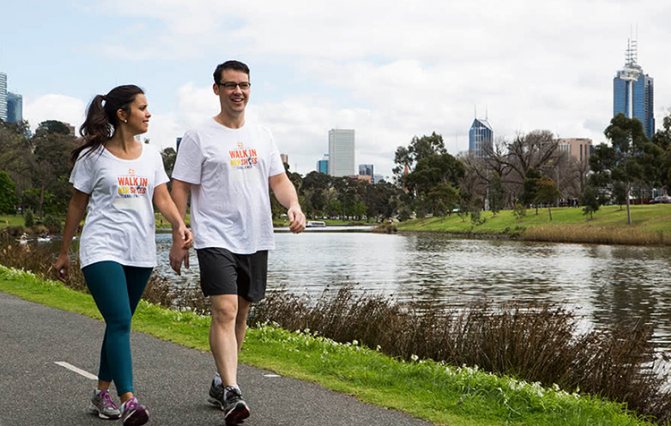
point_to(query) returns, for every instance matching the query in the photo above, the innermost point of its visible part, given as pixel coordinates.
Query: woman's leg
(107, 283)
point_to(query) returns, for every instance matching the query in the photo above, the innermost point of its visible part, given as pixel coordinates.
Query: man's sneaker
(216, 397)
(133, 413)
(103, 406)
(235, 408)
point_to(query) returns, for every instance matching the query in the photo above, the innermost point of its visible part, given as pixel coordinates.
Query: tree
(590, 201)
(624, 161)
(169, 155)
(52, 127)
(7, 194)
(416, 151)
(547, 193)
(530, 192)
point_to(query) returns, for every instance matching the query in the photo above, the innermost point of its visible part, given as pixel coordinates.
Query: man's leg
(241, 320)
(223, 342)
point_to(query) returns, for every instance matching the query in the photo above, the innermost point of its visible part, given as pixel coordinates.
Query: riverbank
(651, 225)
(437, 392)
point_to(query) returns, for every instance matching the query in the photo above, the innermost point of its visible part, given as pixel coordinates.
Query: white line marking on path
(76, 370)
(271, 375)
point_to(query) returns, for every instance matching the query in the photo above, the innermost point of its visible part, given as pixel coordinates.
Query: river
(602, 284)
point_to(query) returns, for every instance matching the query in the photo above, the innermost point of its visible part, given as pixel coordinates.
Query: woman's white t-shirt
(119, 224)
(228, 170)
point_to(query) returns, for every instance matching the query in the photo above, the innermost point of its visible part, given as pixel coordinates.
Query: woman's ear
(122, 115)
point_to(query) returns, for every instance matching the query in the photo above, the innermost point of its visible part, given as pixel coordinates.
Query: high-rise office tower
(341, 152)
(480, 137)
(323, 165)
(633, 91)
(3, 96)
(14, 107)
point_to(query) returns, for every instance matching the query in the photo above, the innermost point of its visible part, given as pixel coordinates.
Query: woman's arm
(76, 210)
(167, 207)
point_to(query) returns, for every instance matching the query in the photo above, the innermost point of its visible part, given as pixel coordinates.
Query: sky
(391, 70)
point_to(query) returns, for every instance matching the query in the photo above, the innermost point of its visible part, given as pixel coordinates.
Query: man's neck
(235, 122)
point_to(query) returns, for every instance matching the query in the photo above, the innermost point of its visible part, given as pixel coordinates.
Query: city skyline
(398, 71)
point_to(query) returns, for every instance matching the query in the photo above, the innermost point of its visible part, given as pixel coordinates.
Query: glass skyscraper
(633, 92)
(14, 107)
(480, 137)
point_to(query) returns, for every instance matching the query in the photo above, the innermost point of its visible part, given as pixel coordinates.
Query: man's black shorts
(223, 272)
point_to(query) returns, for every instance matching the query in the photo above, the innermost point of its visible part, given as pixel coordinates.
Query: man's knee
(224, 310)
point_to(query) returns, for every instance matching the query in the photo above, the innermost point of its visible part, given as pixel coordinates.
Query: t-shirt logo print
(131, 185)
(242, 158)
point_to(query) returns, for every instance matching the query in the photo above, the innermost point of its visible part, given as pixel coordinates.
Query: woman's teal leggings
(116, 290)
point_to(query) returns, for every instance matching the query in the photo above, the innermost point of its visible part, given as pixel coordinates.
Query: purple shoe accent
(133, 413)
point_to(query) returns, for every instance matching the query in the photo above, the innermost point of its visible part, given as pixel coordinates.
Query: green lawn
(437, 392)
(10, 220)
(650, 223)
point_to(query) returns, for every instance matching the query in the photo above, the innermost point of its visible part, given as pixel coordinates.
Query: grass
(435, 391)
(11, 220)
(651, 224)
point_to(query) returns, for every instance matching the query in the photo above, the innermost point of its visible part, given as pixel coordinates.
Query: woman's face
(138, 115)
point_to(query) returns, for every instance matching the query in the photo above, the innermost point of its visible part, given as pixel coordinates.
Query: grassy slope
(436, 392)
(653, 221)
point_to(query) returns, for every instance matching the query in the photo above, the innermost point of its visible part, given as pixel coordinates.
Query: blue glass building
(14, 107)
(323, 165)
(633, 92)
(480, 138)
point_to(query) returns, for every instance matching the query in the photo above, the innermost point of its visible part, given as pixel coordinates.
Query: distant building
(578, 148)
(177, 142)
(341, 152)
(323, 165)
(480, 138)
(14, 108)
(378, 178)
(3, 96)
(365, 178)
(367, 170)
(285, 158)
(633, 91)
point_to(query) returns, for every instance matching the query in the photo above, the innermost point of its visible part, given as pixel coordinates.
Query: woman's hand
(62, 267)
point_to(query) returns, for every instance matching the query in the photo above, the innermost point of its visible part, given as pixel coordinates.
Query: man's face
(233, 91)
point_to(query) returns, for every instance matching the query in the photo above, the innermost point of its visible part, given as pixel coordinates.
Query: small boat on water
(315, 224)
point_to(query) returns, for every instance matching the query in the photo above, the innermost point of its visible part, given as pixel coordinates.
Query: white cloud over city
(390, 70)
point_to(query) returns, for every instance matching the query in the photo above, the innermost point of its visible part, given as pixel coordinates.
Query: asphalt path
(49, 358)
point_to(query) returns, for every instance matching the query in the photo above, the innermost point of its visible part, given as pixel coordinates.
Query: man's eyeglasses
(230, 85)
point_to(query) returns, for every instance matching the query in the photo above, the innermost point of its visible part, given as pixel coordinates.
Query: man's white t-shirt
(119, 223)
(228, 170)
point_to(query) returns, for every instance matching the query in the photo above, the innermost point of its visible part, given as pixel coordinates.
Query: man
(228, 166)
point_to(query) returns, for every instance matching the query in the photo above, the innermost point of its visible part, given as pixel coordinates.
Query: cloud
(54, 107)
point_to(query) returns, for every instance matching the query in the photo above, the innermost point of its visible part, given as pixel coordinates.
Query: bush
(28, 219)
(52, 223)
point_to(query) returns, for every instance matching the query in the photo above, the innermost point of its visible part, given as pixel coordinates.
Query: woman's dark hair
(101, 119)
(229, 65)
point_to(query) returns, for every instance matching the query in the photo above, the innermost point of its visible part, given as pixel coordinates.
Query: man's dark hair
(229, 65)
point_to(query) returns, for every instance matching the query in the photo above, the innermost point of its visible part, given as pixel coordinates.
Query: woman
(117, 178)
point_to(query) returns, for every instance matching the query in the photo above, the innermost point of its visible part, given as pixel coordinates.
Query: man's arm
(286, 194)
(180, 195)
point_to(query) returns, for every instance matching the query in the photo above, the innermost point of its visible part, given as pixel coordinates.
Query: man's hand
(178, 255)
(296, 220)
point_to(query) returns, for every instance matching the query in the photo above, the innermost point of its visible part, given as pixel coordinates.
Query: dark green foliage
(28, 219)
(8, 199)
(590, 201)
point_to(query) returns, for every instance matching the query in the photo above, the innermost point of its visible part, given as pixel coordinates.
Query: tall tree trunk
(628, 204)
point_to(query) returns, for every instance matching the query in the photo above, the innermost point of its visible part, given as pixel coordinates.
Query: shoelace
(130, 404)
(107, 399)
